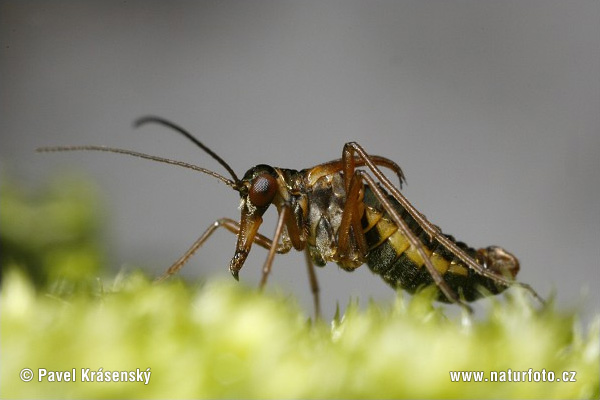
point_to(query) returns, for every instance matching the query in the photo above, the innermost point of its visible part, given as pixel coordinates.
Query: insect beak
(249, 224)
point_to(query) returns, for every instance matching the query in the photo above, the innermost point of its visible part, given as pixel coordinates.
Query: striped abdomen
(393, 257)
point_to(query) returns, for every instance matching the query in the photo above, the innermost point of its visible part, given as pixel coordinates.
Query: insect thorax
(327, 197)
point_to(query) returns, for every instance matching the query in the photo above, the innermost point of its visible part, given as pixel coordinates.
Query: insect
(348, 212)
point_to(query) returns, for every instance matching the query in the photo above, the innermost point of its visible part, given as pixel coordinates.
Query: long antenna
(161, 121)
(228, 182)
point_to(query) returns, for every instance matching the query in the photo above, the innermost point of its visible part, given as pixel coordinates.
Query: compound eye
(262, 190)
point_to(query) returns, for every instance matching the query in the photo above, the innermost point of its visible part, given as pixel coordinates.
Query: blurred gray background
(491, 108)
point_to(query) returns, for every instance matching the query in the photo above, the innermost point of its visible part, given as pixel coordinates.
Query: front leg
(233, 227)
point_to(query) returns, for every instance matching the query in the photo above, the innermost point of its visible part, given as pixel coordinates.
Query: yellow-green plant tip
(221, 339)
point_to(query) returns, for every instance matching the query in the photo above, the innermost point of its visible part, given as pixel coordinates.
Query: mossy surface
(51, 233)
(224, 340)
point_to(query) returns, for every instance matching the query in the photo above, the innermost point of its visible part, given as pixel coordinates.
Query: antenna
(177, 128)
(228, 182)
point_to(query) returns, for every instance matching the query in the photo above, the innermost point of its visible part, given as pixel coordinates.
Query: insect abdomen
(399, 264)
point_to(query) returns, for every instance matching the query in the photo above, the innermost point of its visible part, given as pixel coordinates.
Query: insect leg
(414, 241)
(348, 161)
(351, 221)
(283, 215)
(314, 284)
(385, 162)
(434, 232)
(231, 226)
(334, 166)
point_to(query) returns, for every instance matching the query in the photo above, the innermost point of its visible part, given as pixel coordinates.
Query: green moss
(51, 233)
(224, 340)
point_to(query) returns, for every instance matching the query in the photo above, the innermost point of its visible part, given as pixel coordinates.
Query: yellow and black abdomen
(392, 256)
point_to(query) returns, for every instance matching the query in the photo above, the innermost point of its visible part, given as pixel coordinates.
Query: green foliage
(52, 233)
(224, 340)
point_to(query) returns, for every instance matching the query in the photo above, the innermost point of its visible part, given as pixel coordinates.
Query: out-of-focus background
(491, 108)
